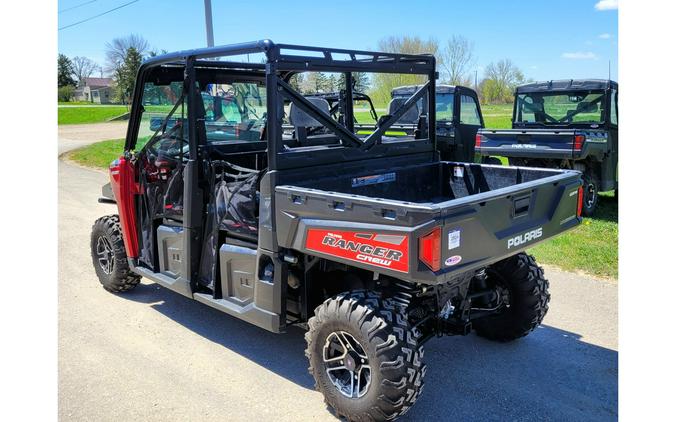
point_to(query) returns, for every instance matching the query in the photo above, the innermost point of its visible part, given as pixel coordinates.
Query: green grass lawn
(497, 116)
(91, 114)
(364, 117)
(591, 247)
(100, 154)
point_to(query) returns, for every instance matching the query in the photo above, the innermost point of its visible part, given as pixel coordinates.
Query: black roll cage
(281, 62)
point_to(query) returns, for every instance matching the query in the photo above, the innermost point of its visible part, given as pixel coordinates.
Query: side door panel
(468, 120)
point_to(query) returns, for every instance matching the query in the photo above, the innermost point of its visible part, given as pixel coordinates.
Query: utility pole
(209, 23)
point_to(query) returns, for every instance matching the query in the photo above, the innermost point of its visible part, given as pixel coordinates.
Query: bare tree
(83, 67)
(457, 59)
(116, 50)
(501, 78)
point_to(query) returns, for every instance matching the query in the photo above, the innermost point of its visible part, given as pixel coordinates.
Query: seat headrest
(299, 118)
(409, 117)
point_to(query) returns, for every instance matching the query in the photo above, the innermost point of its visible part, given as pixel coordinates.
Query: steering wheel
(172, 144)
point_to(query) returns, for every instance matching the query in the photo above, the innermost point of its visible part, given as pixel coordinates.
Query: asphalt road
(154, 355)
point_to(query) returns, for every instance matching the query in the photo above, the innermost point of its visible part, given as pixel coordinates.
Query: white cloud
(580, 55)
(607, 5)
(605, 36)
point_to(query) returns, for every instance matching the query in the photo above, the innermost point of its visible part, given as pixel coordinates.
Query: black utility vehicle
(458, 118)
(568, 124)
(250, 198)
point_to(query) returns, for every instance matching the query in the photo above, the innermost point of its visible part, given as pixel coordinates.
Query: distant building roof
(98, 82)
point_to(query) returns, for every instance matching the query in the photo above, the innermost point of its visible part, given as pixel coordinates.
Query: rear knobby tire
(528, 299)
(110, 257)
(380, 327)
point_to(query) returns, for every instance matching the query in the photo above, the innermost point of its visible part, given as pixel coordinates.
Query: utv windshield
(554, 108)
(234, 112)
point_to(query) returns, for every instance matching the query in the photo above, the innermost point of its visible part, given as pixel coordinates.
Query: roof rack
(304, 58)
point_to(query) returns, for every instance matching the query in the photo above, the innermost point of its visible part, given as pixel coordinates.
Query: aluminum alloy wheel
(591, 195)
(346, 364)
(105, 254)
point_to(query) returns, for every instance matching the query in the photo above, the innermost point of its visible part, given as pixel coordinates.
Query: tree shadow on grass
(549, 375)
(608, 208)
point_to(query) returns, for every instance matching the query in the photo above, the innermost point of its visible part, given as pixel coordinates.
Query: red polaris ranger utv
(241, 191)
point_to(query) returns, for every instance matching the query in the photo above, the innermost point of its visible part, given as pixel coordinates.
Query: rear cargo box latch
(521, 206)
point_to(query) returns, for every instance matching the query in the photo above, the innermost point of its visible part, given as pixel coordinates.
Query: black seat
(303, 122)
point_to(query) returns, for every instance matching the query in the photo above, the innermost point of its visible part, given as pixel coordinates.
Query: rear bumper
(552, 153)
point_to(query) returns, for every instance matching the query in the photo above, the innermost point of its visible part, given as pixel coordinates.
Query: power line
(99, 15)
(75, 7)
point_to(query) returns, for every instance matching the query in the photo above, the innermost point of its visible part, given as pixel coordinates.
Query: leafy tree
(315, 82)
(83, 67)
(65, 93)
(457, 59)
(332, 83)
(360, 81)
(65, 71)
(384, 83)
(297, 81)
(125, 74)
(501, 79)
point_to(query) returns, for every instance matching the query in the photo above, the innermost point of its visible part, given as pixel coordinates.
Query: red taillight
(580, 200)
(578, 142)
(430, 249)
(479, 139)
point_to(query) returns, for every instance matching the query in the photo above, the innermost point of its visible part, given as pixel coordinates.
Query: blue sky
(546, 39)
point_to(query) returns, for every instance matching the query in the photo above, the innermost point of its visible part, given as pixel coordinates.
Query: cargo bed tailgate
(470, 230)
(533, 143)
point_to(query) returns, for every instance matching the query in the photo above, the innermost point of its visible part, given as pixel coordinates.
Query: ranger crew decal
(381, 250)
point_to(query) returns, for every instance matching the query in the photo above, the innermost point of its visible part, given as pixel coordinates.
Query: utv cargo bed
(390, 219)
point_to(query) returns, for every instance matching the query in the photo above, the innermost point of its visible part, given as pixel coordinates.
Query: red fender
(124, 187)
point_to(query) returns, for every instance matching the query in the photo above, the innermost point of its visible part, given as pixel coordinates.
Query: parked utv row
(565, 124)
(277, 207)
(568, 124)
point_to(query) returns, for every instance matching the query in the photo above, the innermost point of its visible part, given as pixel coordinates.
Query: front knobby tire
(528, 299)
(378, 335)
(110, 257)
